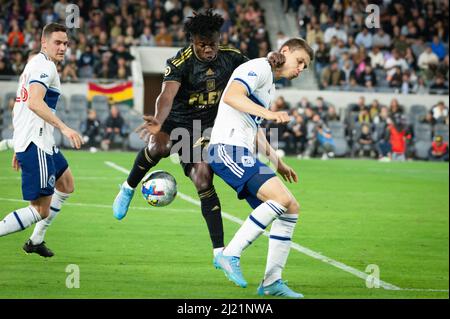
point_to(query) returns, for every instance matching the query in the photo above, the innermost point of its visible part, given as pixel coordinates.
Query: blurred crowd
(366, 129)
(99, 48)
(407, 53)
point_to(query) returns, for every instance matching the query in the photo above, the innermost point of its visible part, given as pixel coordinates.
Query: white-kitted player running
(43, 165)
(231, 154)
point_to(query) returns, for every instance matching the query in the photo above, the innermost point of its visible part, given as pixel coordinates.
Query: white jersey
(233, 127)
(29, 127)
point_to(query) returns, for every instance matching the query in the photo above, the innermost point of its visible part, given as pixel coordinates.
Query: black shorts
(191, 145)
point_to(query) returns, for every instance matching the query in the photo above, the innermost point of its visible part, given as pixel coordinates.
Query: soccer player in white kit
(42, 164)
(231, 155)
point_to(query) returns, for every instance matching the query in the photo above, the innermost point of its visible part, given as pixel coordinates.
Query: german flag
(117, 93)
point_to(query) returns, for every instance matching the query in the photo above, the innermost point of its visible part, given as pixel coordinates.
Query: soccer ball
(159, 188)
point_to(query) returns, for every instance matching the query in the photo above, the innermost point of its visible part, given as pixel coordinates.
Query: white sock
(253, 227)
(19, 220)
(216, 251)
(58, 200)
(279, 246)
(125, 184)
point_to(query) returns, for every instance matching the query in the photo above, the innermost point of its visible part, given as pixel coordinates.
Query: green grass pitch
(357, 212)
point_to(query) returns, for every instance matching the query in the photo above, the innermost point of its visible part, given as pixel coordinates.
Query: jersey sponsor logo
(251, 73)
(203, 100)
(43, 76)
(247, 161)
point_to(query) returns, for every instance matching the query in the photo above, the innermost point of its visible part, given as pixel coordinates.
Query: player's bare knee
(283, 199)
(159, 146)
(201, 177)
(294, 207)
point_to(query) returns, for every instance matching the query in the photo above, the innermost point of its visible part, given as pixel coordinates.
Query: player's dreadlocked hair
(204, 24)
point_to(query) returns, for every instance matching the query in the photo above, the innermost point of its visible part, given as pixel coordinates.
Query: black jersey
(202, 84)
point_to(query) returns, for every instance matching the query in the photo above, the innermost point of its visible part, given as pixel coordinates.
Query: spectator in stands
(86, 63)
(69, 73)
(5, 68)
(130, 39)
(331, 115)
(395, 108)
(320, 107)
(91, 130)
(381, 39)
(443, 67)
(367, 78)
(332, 76)
(360, 105)
(376, 58)
(440, 112)
(364, 38)
(393, 62)
(281, 39)
(395, 80)
(334, 31)
(298, 129)
(322, 57)
(364, 145)
(163, 38)
(16, 38)
(439, 150)
(364, 116)
(123, 70)
(439, 84)
(428, 62)
(314, 33)
(325, 141)
(407, 86)
(114, 125)
(18, 63)
(374, 109)
(146, 38)
(410, 58)
(303, 104)
(105, 69)
(398, 136)
(438, 47)
(382, 117)
(420, 87)
(428, 118)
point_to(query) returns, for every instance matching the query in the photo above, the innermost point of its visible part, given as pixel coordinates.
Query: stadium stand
(408, 55)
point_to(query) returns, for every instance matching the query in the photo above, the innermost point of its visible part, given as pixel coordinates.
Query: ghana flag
(117, 92)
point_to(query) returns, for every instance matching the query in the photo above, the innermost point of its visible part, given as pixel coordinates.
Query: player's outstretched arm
(163, 107)
(37, 105)
(267, 150)
(236, 97)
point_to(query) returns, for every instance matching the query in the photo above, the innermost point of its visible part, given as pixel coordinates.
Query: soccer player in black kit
(192, 86)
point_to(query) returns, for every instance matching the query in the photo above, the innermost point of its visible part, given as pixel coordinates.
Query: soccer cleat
(39, 249)
(278, 288)
(231, 267)
(122, 202)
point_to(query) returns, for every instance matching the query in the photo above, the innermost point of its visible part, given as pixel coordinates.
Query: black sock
(212, 213)
(142, 165)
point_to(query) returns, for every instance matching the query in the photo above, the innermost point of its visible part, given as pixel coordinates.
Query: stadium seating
(422, 140)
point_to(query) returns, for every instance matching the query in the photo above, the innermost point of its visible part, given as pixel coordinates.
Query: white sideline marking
(295, 246)
(106, 206)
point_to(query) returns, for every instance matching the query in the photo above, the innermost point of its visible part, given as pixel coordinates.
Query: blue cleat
(278, 288)
(231, 267)
(122, 202)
